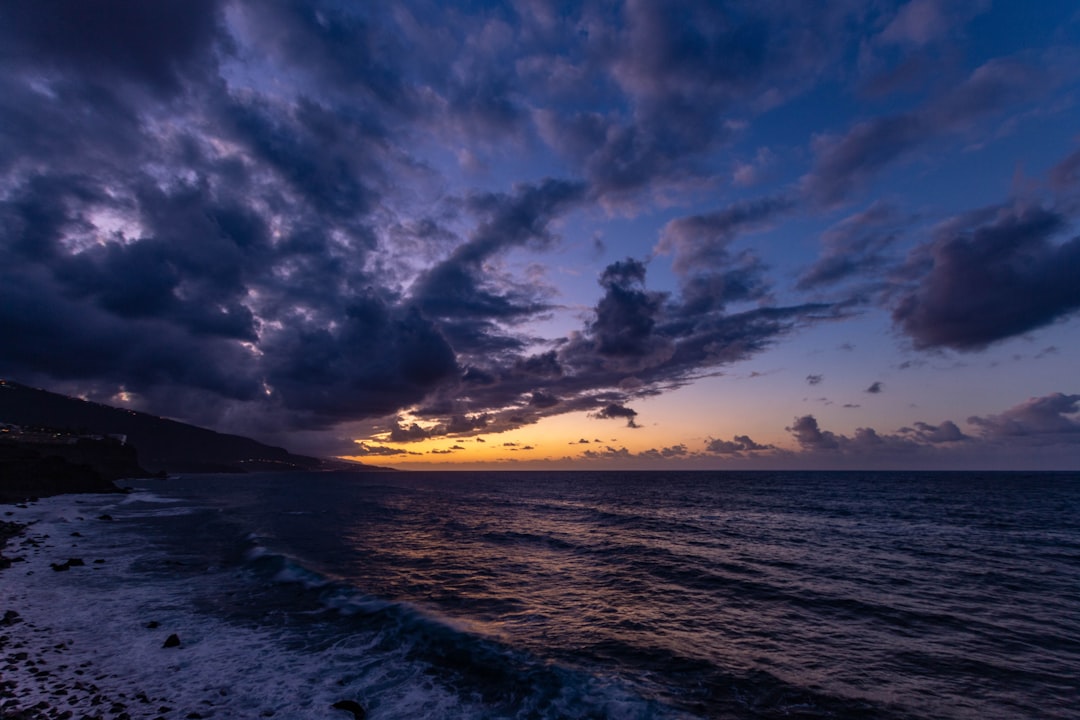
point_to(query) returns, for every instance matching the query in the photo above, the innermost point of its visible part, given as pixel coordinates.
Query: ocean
(570, 594)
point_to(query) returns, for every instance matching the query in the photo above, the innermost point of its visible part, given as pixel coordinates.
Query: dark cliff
(35, 469)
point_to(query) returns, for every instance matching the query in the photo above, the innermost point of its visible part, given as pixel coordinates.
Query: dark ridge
(163, 445)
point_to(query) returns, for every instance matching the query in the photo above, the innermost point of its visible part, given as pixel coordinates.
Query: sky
(549, 235)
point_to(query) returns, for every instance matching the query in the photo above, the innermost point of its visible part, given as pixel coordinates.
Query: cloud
(701, 241)
(945, 432)
(366, 449)
(814, 379)
(875, 387)
(627, 314)
(868, 444)
(1047, 422)
(1050, 418)
(410, 433)
(916, 23)
(810, 436)
(845, 162)
(150, 45)
(229, 210)
(678, 69)
(736, 446)
(1065, 175)
(258, 215)
(747, 174)
(854, 247)
(991, 274)
(460, 292)
(667, 453)
(608, 453)
(851, 160)
(614, 410)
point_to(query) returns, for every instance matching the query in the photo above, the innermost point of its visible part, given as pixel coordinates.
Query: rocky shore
(77, 644)
(38, 680)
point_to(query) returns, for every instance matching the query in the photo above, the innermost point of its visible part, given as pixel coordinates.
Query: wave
(503, 680)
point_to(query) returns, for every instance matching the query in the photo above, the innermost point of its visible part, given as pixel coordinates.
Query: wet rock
(106, 517)
(10, 617)
(172, 641)
(153, 625)
(60, 567)
(351, 706)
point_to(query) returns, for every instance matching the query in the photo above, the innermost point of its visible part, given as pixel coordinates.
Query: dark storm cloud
(59, 337)
(353, 49)
(991, 274)
(681, 67)
(320, 155)
(626, 315)
(636, 343)
(149, 43)
(196, 201)
(375, 361)
(459, 291)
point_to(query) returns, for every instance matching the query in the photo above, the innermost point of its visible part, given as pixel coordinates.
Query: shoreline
(36, 683)
(97, 623)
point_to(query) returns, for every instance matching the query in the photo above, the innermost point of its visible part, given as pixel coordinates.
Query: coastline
(98, 623)
(40, 679)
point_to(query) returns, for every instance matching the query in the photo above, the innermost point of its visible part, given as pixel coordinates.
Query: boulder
(351, 706)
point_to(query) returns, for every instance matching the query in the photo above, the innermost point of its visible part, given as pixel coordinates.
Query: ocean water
(578, 595)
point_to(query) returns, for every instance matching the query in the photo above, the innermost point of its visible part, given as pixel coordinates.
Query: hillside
(162, 444)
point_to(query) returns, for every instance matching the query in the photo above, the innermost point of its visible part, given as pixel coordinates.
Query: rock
(105, 517)
(10, 617)
(75, 562)
(172, 641)
(60, 567)
(153, 625)
(351, 706)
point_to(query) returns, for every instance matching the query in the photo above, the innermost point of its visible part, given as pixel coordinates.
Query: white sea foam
(88, 628)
